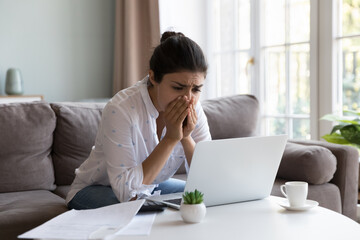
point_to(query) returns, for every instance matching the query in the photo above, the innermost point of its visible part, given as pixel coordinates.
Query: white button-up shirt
(126, 137)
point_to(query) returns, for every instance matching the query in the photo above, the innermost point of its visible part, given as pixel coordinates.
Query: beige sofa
(41, 144)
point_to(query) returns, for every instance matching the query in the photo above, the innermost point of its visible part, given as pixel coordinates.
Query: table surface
(262, 219)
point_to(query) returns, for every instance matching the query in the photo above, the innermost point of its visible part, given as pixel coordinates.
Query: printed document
(87, 224)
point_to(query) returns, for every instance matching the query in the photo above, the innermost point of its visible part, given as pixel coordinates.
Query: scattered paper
(87, 224)
(140, 226)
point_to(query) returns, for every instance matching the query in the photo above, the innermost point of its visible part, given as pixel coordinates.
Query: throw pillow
(26, 137)
(313, 164)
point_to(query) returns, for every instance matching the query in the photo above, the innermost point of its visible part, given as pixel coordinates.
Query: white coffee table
(263, 219)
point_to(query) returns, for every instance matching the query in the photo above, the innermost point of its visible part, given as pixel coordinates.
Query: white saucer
(308, 205)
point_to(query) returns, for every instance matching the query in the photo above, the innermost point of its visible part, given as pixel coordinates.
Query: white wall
(64, 48)
(186, 16)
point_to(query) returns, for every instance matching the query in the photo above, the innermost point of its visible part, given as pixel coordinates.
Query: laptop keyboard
(176, 201)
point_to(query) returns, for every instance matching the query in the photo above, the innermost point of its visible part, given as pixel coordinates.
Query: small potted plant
(192, 207)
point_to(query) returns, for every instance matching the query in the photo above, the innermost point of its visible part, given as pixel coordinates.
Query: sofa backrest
(26, 137)
(232, 116)
(74, 136)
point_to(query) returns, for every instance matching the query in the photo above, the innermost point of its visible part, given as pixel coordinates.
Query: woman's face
(174, 85)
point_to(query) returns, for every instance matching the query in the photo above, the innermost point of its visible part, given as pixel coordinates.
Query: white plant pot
(192, 213)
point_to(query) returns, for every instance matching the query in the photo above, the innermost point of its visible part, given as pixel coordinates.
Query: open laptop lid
(232, 170)
(235, 170)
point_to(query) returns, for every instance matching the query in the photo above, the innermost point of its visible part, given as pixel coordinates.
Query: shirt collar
(147, 100)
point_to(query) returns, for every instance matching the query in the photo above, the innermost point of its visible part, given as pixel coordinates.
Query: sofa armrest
(346, 175)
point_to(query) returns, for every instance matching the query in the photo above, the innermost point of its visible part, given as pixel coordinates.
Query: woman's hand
(174, 116)
(191, 120)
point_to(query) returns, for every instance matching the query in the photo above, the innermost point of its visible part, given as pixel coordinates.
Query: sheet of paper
(83, 224)
(140, 225)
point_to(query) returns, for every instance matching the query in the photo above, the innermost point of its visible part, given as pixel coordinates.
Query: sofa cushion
(313, 164)
(26, 137)
(62, 191)
(232, 116)
(74, 136)
(22, 211)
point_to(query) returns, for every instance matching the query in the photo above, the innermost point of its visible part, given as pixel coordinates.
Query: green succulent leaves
(195, 197)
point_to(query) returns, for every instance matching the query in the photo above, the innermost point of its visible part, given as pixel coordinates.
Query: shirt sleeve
(202, 131)
(124, 167)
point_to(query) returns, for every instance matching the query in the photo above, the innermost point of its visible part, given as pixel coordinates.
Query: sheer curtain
(137, 33)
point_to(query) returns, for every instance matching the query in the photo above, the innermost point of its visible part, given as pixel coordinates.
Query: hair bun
(170, 34)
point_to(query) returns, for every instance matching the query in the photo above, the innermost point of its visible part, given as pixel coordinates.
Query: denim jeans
(96, 196)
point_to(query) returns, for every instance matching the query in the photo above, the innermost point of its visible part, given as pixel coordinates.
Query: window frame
(213, 90)
(325, 84)
(288, 116)
(329, 100)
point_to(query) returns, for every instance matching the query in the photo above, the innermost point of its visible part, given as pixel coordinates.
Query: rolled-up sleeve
(123, 167)
(201, 132)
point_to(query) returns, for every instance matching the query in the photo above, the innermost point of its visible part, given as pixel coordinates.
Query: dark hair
(176, 53)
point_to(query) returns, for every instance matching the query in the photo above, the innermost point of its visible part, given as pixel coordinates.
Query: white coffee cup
(295, 192)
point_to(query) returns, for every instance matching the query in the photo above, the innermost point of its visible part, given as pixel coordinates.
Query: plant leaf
(337, 127)
(352, 112)
(186, 197)
(351, 133)
(340, 119)
(335, 138)
(200, 199)
(331, 117)
(354, 122)
(192, 196)
(196, 194)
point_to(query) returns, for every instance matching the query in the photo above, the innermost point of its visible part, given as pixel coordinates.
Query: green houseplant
(192, 207)
(347, 131)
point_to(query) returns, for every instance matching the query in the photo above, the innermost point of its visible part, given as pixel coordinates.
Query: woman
(147, 131)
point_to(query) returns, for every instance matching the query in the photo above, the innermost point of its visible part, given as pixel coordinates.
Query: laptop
(232, 170)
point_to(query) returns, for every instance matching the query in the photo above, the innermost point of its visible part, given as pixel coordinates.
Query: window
(300, 58)
(286, 54)
(232, 47)
(280, 51)
(348, 42)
